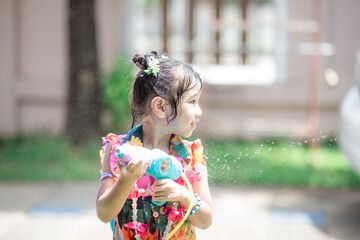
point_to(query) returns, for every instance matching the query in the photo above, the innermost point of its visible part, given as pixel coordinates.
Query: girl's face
(189, 113)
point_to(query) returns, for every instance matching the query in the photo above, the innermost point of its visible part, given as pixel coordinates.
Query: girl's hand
(135, 169)
(167, 190)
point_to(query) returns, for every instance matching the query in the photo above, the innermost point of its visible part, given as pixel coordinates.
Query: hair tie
(154, 67)
(107, 174)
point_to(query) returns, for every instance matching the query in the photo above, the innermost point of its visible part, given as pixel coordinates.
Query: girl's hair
(170, 83)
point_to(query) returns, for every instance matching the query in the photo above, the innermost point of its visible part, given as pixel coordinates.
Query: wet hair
(171, 82)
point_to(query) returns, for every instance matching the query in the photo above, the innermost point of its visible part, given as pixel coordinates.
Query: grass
(48, 159)
(281, 164)
(266, 163)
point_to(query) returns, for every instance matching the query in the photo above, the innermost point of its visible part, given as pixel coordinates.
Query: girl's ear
(158, 106)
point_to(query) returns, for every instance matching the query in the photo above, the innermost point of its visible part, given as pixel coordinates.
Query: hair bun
(154, 54)
(140, 61)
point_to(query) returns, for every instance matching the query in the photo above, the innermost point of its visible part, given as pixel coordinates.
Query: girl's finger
(145, 166)
(159, 195)
(161, 182)
(157, 191)
(131, 165)
(141, 165)
(158, 199)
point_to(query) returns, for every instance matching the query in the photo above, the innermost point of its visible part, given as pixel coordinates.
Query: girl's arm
(168, 190)
(112, 196)
(203, 217)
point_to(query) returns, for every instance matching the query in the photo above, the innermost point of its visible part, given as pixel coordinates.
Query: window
(228, 41)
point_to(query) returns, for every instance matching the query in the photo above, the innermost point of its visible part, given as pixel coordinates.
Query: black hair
(170, 83)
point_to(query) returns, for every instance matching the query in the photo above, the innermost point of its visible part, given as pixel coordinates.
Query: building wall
(282, 109)
(8, 102)
(34, 62)
(33, 71)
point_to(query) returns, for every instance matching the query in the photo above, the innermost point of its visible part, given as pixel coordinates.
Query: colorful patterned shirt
(139, 217)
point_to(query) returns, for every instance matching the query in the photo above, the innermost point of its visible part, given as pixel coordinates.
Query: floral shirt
(139, 217)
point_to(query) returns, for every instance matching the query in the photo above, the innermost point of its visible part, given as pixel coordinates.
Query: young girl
(165, 101)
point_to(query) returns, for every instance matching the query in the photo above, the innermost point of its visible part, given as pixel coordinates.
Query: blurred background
(281, 108)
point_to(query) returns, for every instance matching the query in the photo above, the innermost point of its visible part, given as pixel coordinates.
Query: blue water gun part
(162, 165)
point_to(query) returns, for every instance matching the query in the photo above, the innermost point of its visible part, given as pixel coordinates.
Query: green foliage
(116, 88)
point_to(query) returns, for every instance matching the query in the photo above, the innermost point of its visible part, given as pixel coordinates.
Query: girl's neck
(154, 136)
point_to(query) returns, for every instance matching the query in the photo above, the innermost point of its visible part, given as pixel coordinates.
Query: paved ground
(66, 211)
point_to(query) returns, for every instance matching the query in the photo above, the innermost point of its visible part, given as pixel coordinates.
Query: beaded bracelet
(198, 203)
(106, 175)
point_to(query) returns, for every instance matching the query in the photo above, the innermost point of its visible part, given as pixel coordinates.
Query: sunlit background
(280, 101)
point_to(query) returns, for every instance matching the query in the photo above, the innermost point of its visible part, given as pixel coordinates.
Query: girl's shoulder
(115, 139)
(189, 150)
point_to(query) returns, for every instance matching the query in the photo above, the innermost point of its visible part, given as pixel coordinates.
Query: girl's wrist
(186, 201)
(197, 205)
(107, 174)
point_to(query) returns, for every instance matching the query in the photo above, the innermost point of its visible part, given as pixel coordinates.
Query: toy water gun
(162, 165)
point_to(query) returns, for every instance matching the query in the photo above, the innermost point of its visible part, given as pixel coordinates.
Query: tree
(83, 105)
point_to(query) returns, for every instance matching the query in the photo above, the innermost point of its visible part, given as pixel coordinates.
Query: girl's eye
(193, 102)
